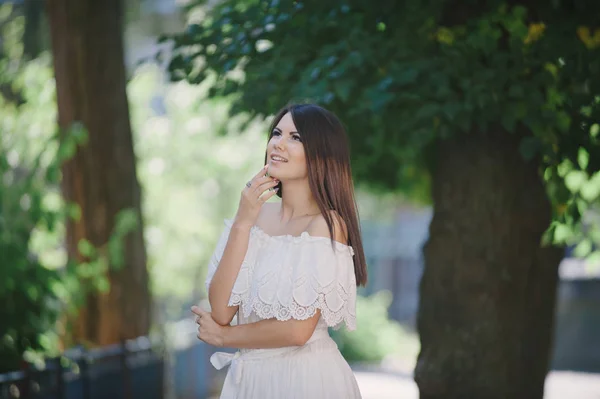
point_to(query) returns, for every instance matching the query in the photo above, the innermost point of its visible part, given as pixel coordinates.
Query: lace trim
(249, 301)
(252, 303)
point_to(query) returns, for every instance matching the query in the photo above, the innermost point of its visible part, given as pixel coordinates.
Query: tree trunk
(90, 81)
(488, 290)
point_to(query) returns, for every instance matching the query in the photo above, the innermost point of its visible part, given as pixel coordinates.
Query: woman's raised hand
(255, 194)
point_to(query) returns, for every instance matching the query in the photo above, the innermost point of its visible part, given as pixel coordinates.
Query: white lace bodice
(290, 277)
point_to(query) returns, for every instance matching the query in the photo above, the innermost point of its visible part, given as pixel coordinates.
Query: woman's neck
(297, 201)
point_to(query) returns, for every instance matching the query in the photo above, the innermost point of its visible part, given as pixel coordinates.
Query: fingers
(265, 197)
(199, 311)
(265, 186)
(260, 181)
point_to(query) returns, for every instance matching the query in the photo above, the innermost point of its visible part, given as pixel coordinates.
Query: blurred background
(128, 127)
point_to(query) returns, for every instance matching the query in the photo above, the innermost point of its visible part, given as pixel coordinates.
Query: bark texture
(488, 290)
(89, 67)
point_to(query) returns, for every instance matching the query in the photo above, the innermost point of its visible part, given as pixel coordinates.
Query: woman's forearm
(224, 278)
(270, 333)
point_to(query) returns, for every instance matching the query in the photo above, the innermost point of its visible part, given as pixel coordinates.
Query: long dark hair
(329, 173)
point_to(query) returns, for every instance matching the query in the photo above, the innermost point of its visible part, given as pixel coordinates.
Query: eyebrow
(280, 131)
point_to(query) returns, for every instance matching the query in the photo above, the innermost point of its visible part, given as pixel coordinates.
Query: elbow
(300, 337)
(221, 318)
(221, 314)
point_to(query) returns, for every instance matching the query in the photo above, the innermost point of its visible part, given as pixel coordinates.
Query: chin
(273, 171)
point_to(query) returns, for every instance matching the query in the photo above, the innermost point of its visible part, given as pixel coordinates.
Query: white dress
(290, 277)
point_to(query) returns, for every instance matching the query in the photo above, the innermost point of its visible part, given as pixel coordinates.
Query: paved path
(385, 386)
(559, 385)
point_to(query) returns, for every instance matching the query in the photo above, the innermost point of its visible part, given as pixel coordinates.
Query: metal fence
(132, 369)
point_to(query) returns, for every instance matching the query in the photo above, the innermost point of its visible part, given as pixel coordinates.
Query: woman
(289, 269)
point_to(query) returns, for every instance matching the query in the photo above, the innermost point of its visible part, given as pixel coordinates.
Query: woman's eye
(296, 137)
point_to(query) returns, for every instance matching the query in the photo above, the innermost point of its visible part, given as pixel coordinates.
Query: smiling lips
(277, 158)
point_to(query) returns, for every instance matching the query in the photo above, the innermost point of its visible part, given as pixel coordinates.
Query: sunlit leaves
(403, 75)
(534, 32)
(590, 38)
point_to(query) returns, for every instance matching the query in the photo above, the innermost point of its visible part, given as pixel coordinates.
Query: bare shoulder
(267, 210)
(318, 227)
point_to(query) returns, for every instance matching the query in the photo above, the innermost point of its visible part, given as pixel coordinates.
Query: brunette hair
(329, 173)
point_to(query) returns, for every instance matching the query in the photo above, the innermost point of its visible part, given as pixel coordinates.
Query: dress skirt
(316, 370)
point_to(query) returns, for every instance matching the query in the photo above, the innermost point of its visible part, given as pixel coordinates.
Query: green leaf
(583, 158)
(53, 173)
(78, 133)
(116, 250)
(564, 167)
(102, 284)
(33, 293)
(575, 179)
(590, 191)
(594, 130)
(126, 221)
(86, 248)
(6, 10)
(67, 150)
(74, 211)
(562, 233)
(555, 98)
(583, 249)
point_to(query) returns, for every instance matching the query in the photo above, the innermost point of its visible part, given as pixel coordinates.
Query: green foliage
(30, 214)
(376, 336)
(31, 292)
(403, 75)
(38, 284)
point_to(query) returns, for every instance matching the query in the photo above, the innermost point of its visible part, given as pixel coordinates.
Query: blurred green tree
(39, 286)
(489, 109)
(101, 178)
(31, 290)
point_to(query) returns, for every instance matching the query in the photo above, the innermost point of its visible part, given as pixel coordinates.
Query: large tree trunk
(488, 290)
(90, 80)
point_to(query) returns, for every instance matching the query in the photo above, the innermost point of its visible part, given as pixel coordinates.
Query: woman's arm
(262, 334)
(252, 199)
(224, 278)
(270, 333)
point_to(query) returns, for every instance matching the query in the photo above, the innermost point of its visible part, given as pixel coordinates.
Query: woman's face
(285, 151)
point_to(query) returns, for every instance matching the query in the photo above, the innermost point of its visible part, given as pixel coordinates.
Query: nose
(278, 144)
